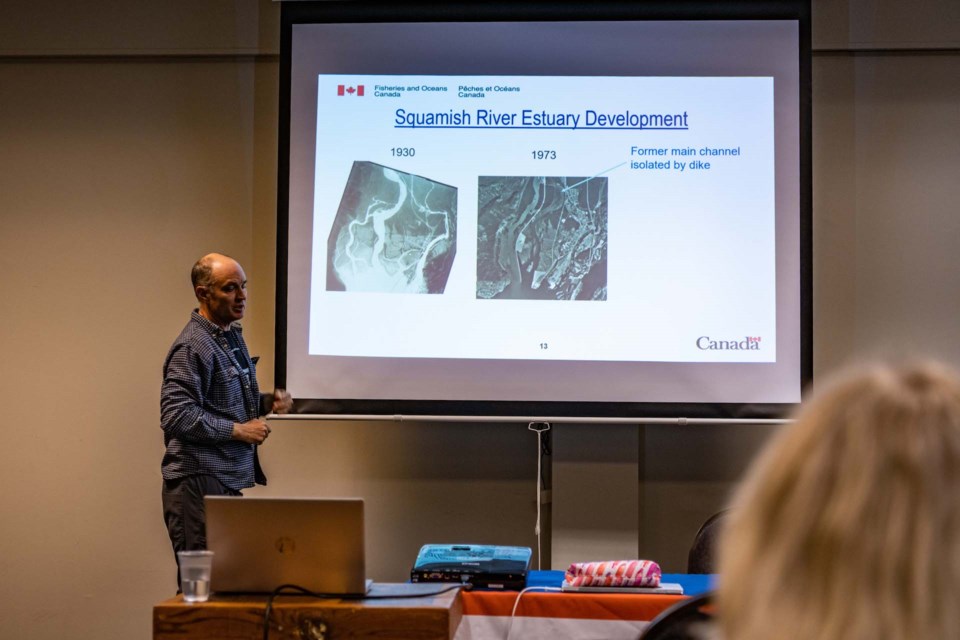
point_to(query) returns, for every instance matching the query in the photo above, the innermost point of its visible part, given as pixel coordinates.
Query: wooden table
(236, 617)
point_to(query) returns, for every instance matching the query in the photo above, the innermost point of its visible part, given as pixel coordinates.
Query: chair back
(687, 620)
(702, 555)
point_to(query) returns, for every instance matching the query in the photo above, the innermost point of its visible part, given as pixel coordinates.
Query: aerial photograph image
(542, 238)
(395, 232)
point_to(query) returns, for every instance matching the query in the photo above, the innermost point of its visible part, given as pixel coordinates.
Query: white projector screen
(535, 210)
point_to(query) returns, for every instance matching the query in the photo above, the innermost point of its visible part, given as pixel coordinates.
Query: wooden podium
(389, 612)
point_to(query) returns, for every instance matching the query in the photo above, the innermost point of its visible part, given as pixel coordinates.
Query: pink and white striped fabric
(614, 573)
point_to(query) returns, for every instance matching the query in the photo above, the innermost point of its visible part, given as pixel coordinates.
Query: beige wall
(138, 136)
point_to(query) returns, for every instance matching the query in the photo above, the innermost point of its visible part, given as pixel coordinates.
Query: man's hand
(252, 432)
(282, 402)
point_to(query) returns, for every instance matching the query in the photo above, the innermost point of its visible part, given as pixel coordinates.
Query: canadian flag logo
(343, 90)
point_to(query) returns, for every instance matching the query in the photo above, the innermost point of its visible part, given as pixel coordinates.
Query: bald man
(210, 404)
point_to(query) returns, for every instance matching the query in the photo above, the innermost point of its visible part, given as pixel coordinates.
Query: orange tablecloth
(553, 616)
(601, 606)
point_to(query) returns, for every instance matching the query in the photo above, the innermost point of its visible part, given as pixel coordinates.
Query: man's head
(221, 288)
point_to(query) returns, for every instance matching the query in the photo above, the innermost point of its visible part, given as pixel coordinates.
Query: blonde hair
(849, 524)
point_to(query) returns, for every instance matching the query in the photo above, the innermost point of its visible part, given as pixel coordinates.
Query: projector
(480, 566)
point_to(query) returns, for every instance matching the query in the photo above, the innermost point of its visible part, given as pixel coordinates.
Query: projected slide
(544, 218)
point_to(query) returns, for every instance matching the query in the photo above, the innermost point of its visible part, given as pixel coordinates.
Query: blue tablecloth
(693, 584)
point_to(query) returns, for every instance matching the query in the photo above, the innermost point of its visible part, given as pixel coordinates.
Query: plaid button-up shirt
(205, 391)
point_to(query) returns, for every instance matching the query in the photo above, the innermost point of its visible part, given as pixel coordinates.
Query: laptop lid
(264, 542)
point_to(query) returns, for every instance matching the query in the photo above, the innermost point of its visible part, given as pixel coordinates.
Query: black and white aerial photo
(394, 232)
(542, 238)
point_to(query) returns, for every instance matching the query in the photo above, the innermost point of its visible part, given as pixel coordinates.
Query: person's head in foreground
(848, 526)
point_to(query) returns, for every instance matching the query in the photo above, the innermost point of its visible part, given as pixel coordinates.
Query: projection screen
(542, 210)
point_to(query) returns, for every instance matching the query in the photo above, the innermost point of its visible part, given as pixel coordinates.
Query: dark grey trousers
(183, 511)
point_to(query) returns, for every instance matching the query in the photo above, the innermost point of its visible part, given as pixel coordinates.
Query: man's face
(225, 300)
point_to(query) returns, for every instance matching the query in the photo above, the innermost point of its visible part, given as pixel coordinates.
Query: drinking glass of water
(195, 574)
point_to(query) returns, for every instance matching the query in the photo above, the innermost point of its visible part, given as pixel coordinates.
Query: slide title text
(534, 119)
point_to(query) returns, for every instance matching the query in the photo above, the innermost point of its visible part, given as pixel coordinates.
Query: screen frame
(308, 12)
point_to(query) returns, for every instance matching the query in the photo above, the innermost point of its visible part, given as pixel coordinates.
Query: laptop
(665, 589)
(262, 543)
